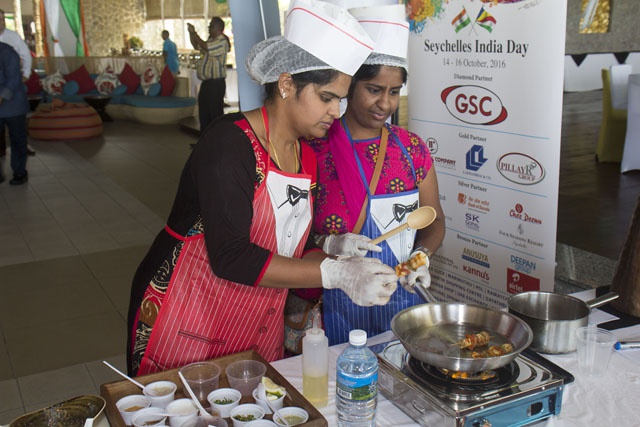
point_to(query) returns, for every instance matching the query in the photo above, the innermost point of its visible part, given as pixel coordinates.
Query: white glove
(420, 277)
(367, 281)
(349, 244)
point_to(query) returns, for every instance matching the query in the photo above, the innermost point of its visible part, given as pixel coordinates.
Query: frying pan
(429, 332)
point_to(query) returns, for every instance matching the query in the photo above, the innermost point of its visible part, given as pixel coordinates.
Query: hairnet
(276, 55)
(384, 59)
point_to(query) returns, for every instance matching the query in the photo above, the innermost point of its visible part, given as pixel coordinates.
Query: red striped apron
(204, 316)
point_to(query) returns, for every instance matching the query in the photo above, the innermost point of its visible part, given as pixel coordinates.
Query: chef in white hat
(371, 176)
(216, 278)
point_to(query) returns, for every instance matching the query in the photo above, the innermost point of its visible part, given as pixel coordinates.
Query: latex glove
(367, 281)
(420, 277)
(349, 244)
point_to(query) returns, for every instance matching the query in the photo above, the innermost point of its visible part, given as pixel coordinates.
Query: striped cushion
(63, 121)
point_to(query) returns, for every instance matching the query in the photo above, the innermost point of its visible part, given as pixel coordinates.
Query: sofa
(149, 97)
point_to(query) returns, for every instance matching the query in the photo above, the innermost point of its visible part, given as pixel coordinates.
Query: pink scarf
(347, 170)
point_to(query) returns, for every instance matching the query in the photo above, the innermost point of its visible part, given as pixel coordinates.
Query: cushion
(154, 89)
(119, 90)
(129, 78)
(167, 81)
(149, 76)
(33, 83)
(71, 88)
(63, 121)
(81, 75)
(106, 82)
(53, 83)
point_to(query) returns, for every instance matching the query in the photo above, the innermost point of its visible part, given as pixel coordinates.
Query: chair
(631, 152)
(614, 120)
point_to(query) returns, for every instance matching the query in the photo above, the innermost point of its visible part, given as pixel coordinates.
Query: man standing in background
(13, 112)
(170, 53)
(14, 40)
(211, 70)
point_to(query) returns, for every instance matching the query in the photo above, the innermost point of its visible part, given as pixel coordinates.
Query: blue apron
(384, 212)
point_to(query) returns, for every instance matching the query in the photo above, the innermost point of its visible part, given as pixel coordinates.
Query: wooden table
(99, 102)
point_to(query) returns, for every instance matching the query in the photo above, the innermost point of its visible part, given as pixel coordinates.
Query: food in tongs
(412, 264)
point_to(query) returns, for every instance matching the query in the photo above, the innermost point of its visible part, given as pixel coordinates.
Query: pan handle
(424, 293)
(602, 300)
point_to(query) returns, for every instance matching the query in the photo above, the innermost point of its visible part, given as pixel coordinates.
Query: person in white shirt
(14, 40)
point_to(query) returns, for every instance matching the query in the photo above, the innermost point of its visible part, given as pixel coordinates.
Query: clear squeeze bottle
(315, 366)
(356, 383)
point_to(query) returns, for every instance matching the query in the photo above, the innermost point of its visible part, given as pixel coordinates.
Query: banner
(63, 27)
(485, 92)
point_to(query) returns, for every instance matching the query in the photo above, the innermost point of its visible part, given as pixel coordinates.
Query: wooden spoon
(420, 218)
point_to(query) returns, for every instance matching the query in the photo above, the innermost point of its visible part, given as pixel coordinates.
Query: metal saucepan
(430, 333)
(554, 318)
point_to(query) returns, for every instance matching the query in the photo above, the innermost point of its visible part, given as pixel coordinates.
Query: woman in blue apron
(358, 201)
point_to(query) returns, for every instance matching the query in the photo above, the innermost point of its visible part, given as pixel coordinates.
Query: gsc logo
(474, 105)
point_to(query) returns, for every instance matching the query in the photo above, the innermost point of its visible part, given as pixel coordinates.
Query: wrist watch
(426, 251)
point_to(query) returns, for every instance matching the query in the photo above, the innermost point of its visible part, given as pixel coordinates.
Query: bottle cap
(357, 337)
(315, 335)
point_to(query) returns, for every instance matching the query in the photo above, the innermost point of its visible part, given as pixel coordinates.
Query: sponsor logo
(520, 169)
(474, 105)
(474, 203)
(444, 162)
(475, 158)
(471, 240)
(519, 241)
(519, 282)
(432, 144)
(517, 212)
(476, 257)
(522, 265)
(473, 271)
(472, 221)
(442, 197)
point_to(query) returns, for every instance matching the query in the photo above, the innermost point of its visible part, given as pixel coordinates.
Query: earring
(283, 95)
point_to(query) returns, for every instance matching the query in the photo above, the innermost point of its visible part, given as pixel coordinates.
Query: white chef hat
(388, 27)
(318, 36)
(328, 32)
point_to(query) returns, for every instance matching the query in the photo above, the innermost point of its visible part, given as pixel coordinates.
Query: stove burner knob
(482, 423)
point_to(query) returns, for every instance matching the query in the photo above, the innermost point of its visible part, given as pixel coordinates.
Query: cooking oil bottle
(315, 366)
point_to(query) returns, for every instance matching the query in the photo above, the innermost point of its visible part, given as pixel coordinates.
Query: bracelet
(426, 251)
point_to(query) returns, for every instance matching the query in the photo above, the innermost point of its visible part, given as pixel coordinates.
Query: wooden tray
(113, 391)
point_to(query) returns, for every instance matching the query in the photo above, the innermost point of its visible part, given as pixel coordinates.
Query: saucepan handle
(602, 300)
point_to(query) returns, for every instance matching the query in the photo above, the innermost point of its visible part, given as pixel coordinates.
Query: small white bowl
(293, 415)
(245, 410)
(224, 409)
(161, 393)
(180, 411)
(276, 403)
(131, 405)
(149, 417)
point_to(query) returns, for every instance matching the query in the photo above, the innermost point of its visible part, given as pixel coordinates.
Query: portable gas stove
(527, 390)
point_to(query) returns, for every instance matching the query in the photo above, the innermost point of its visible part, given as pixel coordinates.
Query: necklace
(265, 123)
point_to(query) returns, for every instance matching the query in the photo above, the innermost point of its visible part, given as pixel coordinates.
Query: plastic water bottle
(315, 367)
(357, 383)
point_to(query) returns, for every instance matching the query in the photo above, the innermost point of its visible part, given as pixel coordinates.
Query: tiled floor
(70, 241)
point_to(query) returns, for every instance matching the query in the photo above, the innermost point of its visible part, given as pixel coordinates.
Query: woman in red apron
(215, 279)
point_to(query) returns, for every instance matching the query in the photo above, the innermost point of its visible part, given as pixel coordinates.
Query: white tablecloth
(613, 400)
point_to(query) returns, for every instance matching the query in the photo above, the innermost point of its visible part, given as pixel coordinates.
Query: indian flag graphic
(485, 20)
(461, 20)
